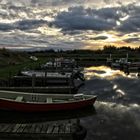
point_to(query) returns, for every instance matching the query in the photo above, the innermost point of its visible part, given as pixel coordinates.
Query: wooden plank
(1, 126)
(27, 128)
(21, 128)
(19, 98)
(61, 129)
(67, 128)
(56, 129)
(15, 128)
(49, 100)
(33, 127)
(44, 128)
(50, 129)
(5, 127)
(10, 128)
(38, 128)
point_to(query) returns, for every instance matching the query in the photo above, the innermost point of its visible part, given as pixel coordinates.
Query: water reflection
(117, 114)
(118, 105)
(20, 117)
(113, 121)
(111, 85)
(102, 72)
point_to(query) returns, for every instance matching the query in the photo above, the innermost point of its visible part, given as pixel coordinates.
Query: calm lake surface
(116, 114)
(117, 107)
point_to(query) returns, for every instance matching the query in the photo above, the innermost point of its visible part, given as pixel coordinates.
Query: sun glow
(102, 72)
(49, 31)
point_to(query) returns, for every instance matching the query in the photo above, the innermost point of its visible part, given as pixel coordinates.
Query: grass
(11, 70)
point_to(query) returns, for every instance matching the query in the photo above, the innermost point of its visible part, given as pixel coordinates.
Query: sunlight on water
(119, 110)
(115, 87)
(121, 93)
(104, 72)
(133, 75)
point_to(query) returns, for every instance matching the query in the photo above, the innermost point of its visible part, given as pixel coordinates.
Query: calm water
(116, 115)
(118, 105)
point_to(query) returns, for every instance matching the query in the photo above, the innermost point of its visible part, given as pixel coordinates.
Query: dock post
(138, 72)
(45, 82)
(9, 79)
(126, 69)
(33, 81)
(71, 83)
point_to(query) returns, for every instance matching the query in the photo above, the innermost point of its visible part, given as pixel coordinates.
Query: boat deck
(45, 130)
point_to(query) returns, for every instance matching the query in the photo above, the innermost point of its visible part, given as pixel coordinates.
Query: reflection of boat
(31, 102)
(30, 117)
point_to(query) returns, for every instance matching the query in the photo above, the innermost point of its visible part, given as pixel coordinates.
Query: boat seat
(78, 96)
(49, 100)
(19, 98)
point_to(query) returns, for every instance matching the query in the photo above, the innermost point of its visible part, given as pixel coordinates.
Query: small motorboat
(38, 102)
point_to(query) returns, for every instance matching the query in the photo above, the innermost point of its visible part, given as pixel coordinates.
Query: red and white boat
(33, 102)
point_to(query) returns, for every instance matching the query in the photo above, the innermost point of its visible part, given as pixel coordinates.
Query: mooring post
(127, 70)
(138, 72)
(45, 78)
(33, 81)
(9, 79)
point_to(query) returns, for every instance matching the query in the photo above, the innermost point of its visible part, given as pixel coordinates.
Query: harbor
(69, 70)
(28, 93)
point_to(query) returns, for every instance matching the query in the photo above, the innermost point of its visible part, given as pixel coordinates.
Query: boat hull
(42, 107)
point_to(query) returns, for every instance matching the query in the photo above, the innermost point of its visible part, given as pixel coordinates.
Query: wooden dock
(48, 89)
(55, 130)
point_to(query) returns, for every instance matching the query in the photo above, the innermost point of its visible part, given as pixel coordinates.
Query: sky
(69, 24)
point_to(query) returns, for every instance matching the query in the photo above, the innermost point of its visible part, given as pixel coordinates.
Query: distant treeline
(108, 49)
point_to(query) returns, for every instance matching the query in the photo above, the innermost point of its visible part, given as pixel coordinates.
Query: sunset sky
(69, 24)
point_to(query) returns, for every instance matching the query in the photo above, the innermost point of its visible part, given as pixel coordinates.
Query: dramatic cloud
(70, 23)
(123, 19)
(132, 24)
(22, 25)
(78, 18)
(99, 38)
(132, 40)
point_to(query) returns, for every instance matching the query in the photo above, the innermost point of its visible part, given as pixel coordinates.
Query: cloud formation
(99, 38)
(79, 18)
(22, 25)
(70, 23)
(123, 19)
(132, 40)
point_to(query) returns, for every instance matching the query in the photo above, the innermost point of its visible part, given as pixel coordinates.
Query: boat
(134, 66)
(60, 63)
(46, 74)
(42, 78)
(33, 102)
